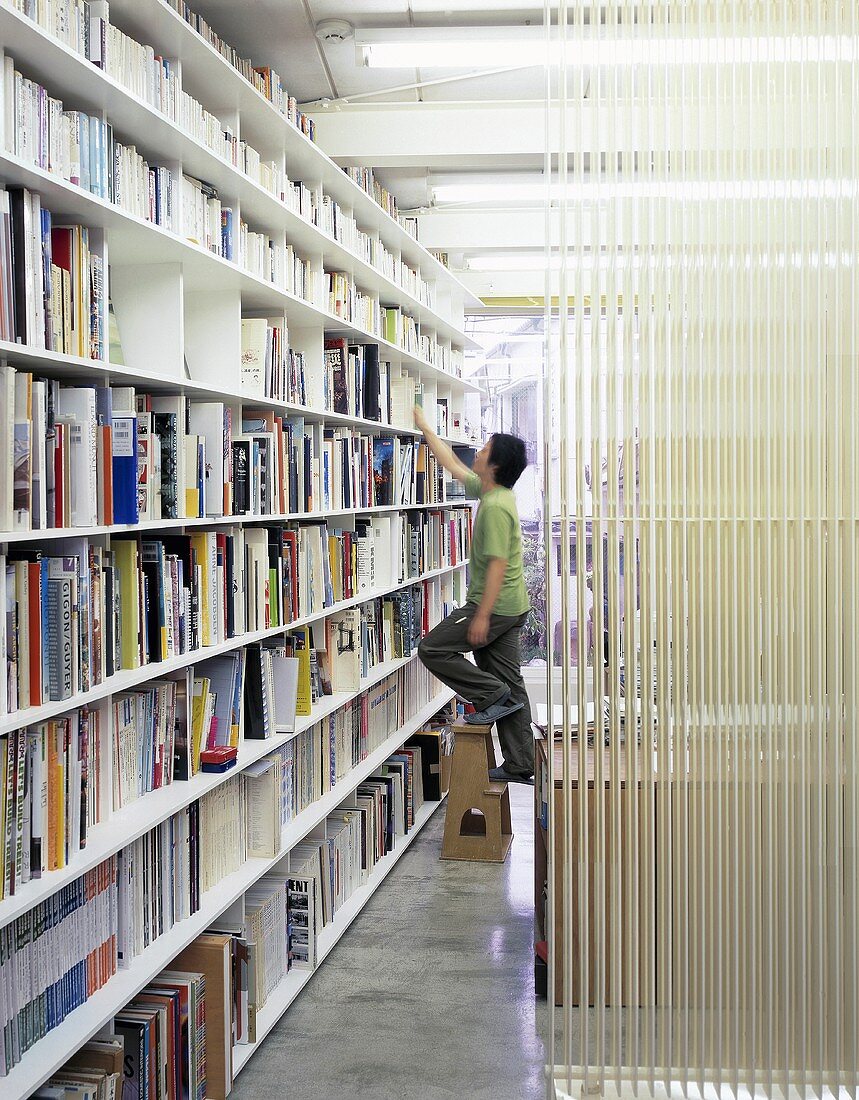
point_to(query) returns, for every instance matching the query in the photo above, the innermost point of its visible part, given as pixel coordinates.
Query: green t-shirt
(497, 534)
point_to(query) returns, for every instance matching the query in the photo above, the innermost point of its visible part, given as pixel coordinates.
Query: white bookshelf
(47, 1056)
(198, 300)
(133, 241)
(132, 821)
(161, 140)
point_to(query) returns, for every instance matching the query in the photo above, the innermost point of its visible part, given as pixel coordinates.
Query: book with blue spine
(124, 436)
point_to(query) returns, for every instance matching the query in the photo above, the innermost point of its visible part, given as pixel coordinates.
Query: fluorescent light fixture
(535, 191)
(452, 47)
(489, 191)
(537, 261)
(526, 46)
(522, 261)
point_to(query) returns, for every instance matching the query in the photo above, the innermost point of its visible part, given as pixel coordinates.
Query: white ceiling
(280, 33)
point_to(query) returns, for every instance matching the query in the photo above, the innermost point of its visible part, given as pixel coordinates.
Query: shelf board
(159, 139)
(126, 679)
(48, 533)
(295, 980)
(50, 1053)
(133, 241)
(56, 365)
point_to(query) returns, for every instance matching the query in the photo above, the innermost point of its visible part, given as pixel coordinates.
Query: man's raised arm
(442, 452)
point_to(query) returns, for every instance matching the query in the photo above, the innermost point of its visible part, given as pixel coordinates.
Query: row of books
(382, 630)
(358, 382)
(148, 76)
(55, 956)
(397, 327)
(160, 876)
(279, 787)
(264, 79)
(324, 755)
(343, 298)
(330, 217)
(51, 792)
(67, 20)
(53, 291)
(366, 180)
(67, 947)
(244, 961)
(76, 616)
(156, 1048)
(270, 367)
(447, 358)
(94, 1072)
(288, 677)
(52, 284)
(85, 150)
(324, 873)
(87, 455)
(86, 27)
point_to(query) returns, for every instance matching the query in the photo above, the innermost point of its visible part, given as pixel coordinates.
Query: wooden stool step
(477, 822)
(496, 787)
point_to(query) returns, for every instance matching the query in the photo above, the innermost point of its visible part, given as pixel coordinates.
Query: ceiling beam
(475, 230)
(509, 135)
(432, 135)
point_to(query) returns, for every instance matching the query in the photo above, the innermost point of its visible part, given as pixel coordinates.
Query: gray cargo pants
(498, 669)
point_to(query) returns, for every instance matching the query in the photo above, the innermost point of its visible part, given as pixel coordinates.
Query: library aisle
(430, 992)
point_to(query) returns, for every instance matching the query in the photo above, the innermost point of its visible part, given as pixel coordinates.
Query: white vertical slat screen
(702, 398)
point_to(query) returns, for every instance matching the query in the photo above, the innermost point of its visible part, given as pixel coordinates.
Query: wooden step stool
(477, 825)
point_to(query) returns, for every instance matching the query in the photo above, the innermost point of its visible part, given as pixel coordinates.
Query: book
(211, 956)
(124, 458)
(336, 354)
(262, 795)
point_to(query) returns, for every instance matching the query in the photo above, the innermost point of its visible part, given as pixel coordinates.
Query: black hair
(507, 454)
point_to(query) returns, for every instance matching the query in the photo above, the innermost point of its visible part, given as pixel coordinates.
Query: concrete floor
(429, 994)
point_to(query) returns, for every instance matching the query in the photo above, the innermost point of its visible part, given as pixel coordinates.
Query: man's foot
(493, 713)
(501, 775)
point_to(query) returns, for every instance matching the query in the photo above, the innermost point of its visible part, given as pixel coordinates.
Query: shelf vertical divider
(148, 300)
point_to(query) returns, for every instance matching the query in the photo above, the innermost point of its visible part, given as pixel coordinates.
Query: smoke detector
(334, 30)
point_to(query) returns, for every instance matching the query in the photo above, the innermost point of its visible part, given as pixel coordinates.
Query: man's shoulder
(503, 497)
(500, 500)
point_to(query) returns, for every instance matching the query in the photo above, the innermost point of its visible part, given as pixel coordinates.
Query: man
(497, 604)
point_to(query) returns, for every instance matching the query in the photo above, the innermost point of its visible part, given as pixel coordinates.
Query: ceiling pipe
(327, 104)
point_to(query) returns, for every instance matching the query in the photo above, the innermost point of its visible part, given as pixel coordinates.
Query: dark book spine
(229, 570)
(164, 426)
(241, 492)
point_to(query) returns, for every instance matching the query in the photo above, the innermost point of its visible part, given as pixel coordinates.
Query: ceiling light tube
(481, 47)
(537, 261)
(485, 193)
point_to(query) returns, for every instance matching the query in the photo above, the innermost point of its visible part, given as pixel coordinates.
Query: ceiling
(314, 71)
(348, 99)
